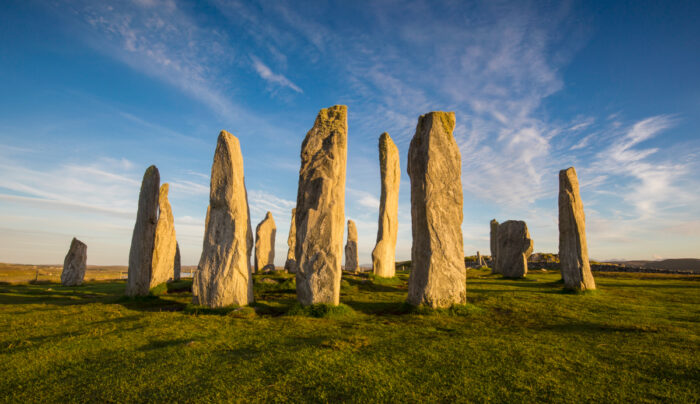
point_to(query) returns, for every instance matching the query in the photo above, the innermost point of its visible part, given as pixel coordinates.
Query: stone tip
(76, 241)
(333, 113)
(226, 135)
(568, 170)
(445, 118)
(268, 214)
(151, 170)
(165, 188)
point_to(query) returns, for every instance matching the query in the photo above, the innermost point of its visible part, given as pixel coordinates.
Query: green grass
(636, 340)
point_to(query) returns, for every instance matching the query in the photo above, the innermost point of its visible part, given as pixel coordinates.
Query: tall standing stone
(320, 213)
(351, 256)
(177, 268)
(291, 264)
(479, 260)
(265, 244)
(165, 245)
(74, 264)
(494, 244)
(384, 253)
(143, 238)
(514, 246)
(224, 274)
(438, 278)
(573, 250)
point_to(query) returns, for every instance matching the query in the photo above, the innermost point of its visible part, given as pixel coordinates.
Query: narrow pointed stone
(291, 264)
(265, 234)
(165, 245)
(438, 278)
(384, 253)
(573, 249)
(320, 214)
(177, 268)
(74, 264)
(143, 238)
(479, 260)
(494, 244)
(223, 275)
(514, 246)
(351, 255)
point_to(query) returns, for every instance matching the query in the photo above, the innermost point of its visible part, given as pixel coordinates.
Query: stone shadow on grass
(368, 285)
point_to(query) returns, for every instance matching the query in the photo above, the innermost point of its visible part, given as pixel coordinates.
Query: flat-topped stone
(320, 214)
(438, 276)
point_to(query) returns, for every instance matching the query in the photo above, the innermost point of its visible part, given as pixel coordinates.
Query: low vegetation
(635, 340)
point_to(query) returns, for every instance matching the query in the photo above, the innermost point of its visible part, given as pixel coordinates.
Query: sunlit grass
(636, 339)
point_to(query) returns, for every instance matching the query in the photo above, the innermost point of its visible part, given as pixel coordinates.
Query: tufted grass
(636, 340)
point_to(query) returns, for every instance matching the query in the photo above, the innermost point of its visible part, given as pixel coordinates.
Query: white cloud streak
(266, 74)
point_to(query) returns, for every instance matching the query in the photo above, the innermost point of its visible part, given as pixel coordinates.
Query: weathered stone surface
(177, 268)
(224, 275)
(494, 244)
(291, 264)
(320, 214)
(384, 253)
(74, 264)
(438, 278)
(573, 249)
(265, 234)
(351, 256)
(143, 238)
(514, 246)
(165, 245)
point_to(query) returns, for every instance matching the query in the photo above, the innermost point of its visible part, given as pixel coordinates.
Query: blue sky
(92, 93)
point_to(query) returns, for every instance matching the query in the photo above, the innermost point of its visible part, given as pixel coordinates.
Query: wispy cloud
(265, 73)
(649, 183)
(158, 38)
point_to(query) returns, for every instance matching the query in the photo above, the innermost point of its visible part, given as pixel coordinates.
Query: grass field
(636, 339)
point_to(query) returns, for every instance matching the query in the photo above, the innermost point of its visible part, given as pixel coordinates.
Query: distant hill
(692, 264)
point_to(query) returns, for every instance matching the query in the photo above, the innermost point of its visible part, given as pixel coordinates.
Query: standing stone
(479, 260)
(573, 250)
(143, 238)
(320, 213)
(514, 246)
(265, 244)
(224, 274)
(494, 244)
(177, 269)
(438, 278)
(351, 257)
(291, 264)
(74, 264)
(384, 253)
(165, 246)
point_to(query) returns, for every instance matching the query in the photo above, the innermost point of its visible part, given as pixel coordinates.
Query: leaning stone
(177, 268)
(291, 264)
(514, 247)
(351, 257)
(573, 250)
(165, 246)
(265, 234)
(224, 276)
(320, 215)
(74, 264)
(143, 238)
(494, 244)
(384, 253)
(438, 278)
